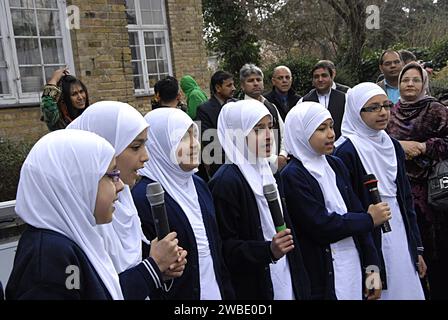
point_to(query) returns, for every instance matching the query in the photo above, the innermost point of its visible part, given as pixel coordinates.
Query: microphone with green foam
(271, 195)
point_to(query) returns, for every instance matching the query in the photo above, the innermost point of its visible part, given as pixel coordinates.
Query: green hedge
(12, 156)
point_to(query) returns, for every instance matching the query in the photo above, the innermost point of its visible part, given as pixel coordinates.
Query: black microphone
(371, 183)
(154, 193)
(270, 193)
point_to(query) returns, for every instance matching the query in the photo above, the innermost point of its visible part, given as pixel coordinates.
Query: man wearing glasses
(282, 95)
(390, 65)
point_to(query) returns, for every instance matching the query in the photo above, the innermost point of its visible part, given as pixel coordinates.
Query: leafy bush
(12, 156)
(301, 72)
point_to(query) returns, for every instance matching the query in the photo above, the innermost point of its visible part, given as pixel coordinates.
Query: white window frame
(16, 96)
(140, 28)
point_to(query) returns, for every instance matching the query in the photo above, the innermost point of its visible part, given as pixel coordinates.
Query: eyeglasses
(376, 107)
(114, 175)
(414, 80)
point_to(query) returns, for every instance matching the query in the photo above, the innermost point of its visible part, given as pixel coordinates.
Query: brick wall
(102, 57)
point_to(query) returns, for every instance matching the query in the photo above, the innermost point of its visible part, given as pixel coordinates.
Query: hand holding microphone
(379, 211)
(282, 242)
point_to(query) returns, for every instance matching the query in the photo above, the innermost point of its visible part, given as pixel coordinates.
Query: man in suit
(335, 85)
(332, 99)
(222, 88)
(282, 95)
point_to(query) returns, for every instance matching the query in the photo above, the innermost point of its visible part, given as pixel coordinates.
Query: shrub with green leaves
(12, 156)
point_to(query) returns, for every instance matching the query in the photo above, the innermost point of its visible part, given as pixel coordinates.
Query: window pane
(163, 66)
(28, 51)
(52, 51)
(153, 78)
(4, 87)
(133, 39)
(130, 4)
(156, 5)
(46, 4)
(49, 71)
(145, 4)
(157, 17)
(135, 53)
(147, 17)
(159, 37)
(31, 79)
(138, 82)
(23, 22)
(149, 38)
(161, 52)
(130, 16)
(137, 68)
(48, 23)
(152, 66)
(21, 3)
(150, 52)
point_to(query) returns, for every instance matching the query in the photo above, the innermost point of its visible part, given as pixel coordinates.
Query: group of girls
(82, 191)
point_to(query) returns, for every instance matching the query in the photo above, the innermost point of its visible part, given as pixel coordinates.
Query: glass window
(149, 43)
(34, 42)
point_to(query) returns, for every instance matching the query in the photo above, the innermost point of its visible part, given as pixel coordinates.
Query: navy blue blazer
(187, 287)
(317, 228)
(39, 271)
(246, 252)
(2, 297)
(347, 152)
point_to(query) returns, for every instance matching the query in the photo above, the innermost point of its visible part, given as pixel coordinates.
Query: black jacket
(274, 98)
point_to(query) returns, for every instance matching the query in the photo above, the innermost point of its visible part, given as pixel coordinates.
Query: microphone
(270, 193)
(371, 183)
(154, 194)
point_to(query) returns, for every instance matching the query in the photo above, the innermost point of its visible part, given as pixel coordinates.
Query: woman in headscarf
(174, 157)
(333, 229)
(368, 149)
(420, 123)
(195, 95)
(264, 264)
(126, 129)
(68, 184)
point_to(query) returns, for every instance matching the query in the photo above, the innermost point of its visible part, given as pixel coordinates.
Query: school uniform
(119, 123)
(333, 230)
(63, 234)
(189, 208)
(243, 215)
(369, 151)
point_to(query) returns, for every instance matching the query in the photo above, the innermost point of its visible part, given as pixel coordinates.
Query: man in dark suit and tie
(332, 99)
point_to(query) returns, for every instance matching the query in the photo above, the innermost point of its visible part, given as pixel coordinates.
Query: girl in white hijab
(333, 230)
(67, 187)
(174, 157)
(126, 129)
(264, 263)
(368, 149)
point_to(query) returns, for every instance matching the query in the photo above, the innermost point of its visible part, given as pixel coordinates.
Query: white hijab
(301, 123)
(58, 189)
(119, 123)
(375, 148)
(166, 128)
(235, 122)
